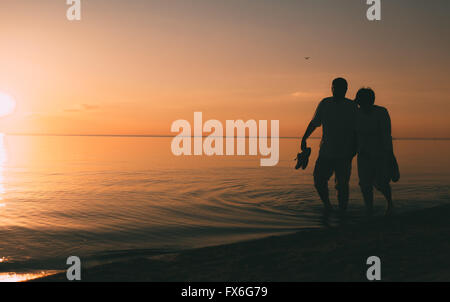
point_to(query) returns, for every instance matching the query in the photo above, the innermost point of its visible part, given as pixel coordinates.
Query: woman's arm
(386, 135)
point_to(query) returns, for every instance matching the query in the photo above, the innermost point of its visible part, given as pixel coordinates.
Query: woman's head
(365, 98)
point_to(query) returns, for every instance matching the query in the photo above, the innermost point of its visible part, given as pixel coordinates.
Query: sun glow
(7, 104)
(20, 277)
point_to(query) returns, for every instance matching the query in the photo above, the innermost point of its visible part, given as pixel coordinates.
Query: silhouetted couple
(350, 128)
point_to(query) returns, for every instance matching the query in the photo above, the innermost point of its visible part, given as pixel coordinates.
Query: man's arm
(315, 122)
(311, 127)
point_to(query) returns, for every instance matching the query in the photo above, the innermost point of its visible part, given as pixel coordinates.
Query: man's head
(339, 87)
(365, 98)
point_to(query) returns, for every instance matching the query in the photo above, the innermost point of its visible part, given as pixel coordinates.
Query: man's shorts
(325, 167)
(374, 171)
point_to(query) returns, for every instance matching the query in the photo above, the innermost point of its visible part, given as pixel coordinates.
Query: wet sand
(413, 246)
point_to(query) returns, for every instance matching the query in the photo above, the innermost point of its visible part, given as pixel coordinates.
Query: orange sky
(135, 66)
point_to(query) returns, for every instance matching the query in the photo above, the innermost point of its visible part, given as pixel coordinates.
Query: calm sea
(110, 198)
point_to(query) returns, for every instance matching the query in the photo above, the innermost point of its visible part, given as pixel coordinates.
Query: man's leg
(343, 171)
(322, 173)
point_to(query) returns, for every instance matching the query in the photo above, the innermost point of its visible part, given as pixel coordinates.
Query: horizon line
(204, 136)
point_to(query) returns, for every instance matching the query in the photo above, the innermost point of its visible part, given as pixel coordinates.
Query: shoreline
(412, 246)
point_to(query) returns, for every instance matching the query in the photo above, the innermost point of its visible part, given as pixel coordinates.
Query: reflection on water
(103, 198)
(18, 277)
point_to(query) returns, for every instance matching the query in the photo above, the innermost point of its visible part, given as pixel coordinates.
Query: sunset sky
(135, 66)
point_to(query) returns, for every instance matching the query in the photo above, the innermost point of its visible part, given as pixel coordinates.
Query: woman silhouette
(377, 165)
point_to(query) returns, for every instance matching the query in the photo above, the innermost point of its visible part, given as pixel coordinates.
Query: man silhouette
(337, 116)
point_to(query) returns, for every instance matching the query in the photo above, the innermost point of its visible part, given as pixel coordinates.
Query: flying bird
(307, 58)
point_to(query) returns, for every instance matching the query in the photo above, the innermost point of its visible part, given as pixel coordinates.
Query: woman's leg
(386, 190)
(383, 178)
(367, 192)
(366, 179)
